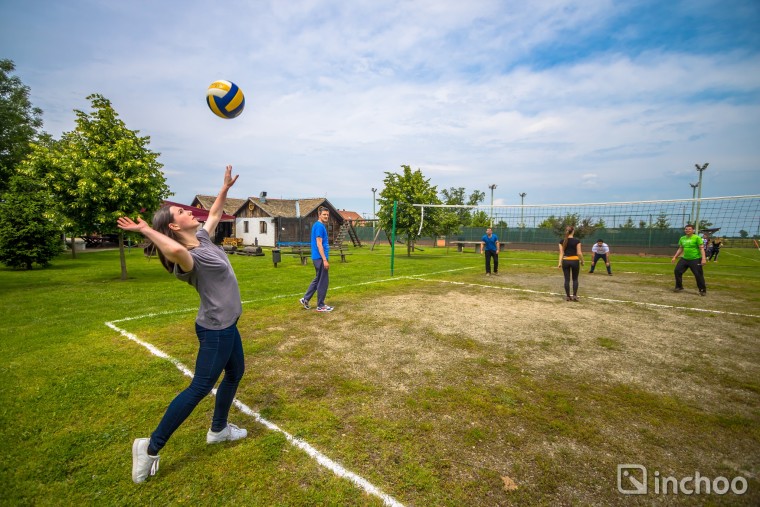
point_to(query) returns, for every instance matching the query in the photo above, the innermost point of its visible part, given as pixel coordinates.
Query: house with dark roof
(274, 222)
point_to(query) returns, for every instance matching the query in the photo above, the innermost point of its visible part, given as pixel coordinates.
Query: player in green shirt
(691, 249)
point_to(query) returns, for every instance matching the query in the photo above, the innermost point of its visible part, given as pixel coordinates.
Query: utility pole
(699, 198)
(492, 187)
(693, 196)
(374, 216)
(522, 221)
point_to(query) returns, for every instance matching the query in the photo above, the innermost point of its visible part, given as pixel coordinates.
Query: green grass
(431, 391)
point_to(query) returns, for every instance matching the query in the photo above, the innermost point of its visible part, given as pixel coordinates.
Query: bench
(342, 251)
(302, 252)
(476, 244)
(462, 244)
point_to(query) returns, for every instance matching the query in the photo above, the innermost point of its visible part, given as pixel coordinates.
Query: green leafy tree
(455, 196)
(642, 224)
(27, 236)
(19, 122)
(408, 188)
(662, 222)
(100, 171)
(743, 234)
(628, 224)
(480, 219)
(583, 227)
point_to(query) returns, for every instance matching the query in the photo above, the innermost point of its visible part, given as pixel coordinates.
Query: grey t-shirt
(213, 278)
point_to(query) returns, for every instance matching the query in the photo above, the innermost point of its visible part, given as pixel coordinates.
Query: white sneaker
(230, 433)
(143, 465)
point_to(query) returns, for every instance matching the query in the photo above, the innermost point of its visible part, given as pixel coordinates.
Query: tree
(27, 236)
(743, 234)
(100, 171)
(628, 224)
(662, 222)
(583, 227)
(408, 188)
(19, 122)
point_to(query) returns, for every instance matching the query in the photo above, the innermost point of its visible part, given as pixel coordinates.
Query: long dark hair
(161, 220)
(568, 231)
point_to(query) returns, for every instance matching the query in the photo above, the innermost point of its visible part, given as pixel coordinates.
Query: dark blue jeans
(220, 350)
(319, 284)
(599, 257)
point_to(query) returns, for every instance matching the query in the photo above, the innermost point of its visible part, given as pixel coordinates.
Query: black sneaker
(678, 289)
(304, 303)
(703, 293)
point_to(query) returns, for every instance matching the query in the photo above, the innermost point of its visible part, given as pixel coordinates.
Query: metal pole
(699, 198)
(374, 215)
(522, 218)
(492, 187)
(393, 235)
(693, 196)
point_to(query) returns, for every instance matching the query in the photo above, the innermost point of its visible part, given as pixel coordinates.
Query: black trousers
(571, 268)
(600, 257)
(695, 267)
(490, 254)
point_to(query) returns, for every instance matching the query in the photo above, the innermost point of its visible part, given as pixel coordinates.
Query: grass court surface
(438, 386)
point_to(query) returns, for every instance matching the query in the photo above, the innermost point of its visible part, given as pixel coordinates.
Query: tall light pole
(374, 216)
(693, 196)
(522, 221)
(699, 197)
(492, 187)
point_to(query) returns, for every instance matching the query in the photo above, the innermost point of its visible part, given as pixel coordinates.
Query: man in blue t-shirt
(490, 246)
(320, 253)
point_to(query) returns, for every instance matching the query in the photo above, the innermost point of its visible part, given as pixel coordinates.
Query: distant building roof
(200, 214)
(353, 216)
(283, 208)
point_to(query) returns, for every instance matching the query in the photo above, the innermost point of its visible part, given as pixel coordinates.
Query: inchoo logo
(632, 479)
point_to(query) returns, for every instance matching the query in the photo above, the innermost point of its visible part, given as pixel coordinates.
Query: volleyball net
(637, 223)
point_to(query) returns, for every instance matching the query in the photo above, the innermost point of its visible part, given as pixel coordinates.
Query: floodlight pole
(374, 216)
(693, 196)
(699, 197)
(522, 221)
(492, 187)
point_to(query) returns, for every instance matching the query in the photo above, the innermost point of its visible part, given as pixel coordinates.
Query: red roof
(350, 215)
(200, 214)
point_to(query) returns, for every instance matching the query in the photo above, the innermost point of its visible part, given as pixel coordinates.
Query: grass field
(437, 386)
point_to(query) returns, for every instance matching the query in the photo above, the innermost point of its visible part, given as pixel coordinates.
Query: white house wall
(254, 236)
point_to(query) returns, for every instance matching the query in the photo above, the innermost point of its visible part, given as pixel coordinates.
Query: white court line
(323, 460)
(606, 300)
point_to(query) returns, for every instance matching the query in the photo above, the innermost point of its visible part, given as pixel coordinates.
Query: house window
(245, 226)
(262, 227)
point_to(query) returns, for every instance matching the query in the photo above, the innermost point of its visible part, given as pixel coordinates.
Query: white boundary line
(323, 460)
(606, 300)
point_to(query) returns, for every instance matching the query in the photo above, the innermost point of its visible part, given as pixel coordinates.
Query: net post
(393, 235)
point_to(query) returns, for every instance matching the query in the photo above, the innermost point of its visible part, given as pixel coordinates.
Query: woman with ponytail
(186, 251)
(570, 260)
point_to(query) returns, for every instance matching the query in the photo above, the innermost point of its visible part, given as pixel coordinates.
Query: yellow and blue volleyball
(225, 99)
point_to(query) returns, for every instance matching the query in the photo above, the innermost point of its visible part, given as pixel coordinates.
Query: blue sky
(568, 101)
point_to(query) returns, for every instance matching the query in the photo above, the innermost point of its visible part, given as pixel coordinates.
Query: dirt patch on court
(402, 338)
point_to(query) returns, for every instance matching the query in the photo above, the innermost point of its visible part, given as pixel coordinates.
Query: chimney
(263, 196)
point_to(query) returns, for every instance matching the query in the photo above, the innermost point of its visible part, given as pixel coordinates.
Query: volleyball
(225, 99)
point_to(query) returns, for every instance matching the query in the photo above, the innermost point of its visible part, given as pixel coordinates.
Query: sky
(567, 101)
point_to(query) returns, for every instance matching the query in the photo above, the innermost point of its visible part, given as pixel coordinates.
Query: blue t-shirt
(318, 230)
(490, 242)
